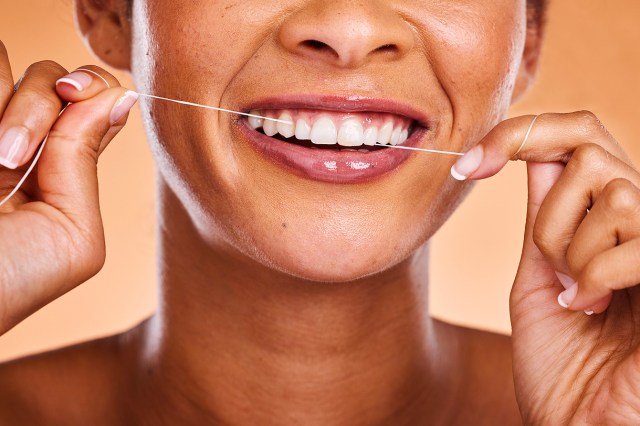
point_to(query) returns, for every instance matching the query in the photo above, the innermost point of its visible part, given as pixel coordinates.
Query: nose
(347, 34)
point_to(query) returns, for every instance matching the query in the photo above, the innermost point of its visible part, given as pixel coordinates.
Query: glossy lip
(332, 165)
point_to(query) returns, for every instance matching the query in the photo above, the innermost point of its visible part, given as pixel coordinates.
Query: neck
(236, 342)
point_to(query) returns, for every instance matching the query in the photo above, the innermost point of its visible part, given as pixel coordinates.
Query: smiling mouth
(360, 131)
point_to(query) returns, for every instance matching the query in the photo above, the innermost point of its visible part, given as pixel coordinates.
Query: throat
(240, 343)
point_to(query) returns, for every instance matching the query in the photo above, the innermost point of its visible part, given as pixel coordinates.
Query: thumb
(534, 272)
(540, 179)
(67, 174)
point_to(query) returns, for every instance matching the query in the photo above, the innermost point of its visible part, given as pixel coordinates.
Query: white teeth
(395, 136)
(303, 130)
(270, 127)
(371, 136)
(404, 135)
(286, 129)
(351, 133)
(324, 132)
(384, 135)
(255, 122)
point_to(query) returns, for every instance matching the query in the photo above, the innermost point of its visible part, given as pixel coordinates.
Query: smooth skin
(254, 325)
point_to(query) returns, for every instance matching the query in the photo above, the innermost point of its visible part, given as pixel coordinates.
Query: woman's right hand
(51, 233)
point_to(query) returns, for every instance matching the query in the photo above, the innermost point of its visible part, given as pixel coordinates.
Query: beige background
(591, 61)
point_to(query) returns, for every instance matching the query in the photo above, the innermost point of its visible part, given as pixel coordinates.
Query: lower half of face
(318, 195)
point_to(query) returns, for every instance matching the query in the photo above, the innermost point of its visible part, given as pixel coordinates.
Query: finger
(589, 171)
(615, 269)
(67, 172)
(6, 78)
(31, 112)
(554, 137)
(613, 220)
(84, 83)
(600, 306)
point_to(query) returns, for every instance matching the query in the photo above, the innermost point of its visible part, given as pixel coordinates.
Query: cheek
(186, 47)
(477, 50)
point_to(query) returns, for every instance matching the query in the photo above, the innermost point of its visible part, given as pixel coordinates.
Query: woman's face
(443, 70)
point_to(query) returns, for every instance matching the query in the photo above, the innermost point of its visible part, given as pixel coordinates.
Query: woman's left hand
(579, 365)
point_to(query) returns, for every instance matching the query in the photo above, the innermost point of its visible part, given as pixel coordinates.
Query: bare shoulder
(489, 387)
(80, 384)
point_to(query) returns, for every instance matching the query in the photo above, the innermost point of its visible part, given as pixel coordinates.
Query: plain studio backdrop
(590, 61)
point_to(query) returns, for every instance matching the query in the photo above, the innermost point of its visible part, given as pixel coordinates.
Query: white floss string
(144, 95)
(35, 160)
(286, 122)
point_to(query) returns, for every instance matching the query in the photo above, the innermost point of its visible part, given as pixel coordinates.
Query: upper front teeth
(351, 133)
(323, 130)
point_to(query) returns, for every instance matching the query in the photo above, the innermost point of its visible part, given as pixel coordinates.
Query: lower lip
(330, 165)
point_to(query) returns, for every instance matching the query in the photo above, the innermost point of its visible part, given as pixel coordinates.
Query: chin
(330, 258)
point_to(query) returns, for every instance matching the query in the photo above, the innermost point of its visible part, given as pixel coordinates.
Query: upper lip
(341, 103)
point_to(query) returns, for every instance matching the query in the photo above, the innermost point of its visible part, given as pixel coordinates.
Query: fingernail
(79, 80)
(123, 106)
(568, 296)
(565, 280)
(13, 146)
(589, 312)
(468, 164)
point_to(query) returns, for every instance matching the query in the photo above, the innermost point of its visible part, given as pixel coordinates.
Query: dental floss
(526, 137)
(35, 160)
(213, 108)
(435, 151)
(144, 95)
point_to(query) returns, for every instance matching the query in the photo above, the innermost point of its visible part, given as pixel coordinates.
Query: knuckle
(46, 66)
(589, 156)
(593, 275)
(543, 239)
(589, 122)
(575, 259)
(42, 103)
(6, 89)
(88, 248)
(622, 196)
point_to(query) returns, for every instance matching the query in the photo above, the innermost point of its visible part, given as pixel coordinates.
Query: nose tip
(346, 36)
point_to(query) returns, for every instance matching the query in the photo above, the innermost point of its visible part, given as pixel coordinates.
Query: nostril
(318, 46)
(388, 49)
(315, 45)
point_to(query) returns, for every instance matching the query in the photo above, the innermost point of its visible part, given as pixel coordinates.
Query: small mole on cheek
(284, 225)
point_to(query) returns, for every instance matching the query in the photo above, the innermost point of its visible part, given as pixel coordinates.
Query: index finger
(6, 78)
(553, 138)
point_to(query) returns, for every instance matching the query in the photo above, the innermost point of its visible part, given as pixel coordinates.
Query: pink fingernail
(123, 106)
(565, 280)
(566, 298)
(78, 79)
(589, 312)
(13, 146)
(468, 164)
